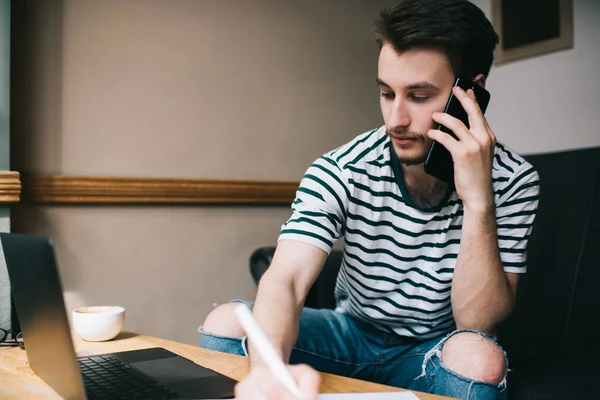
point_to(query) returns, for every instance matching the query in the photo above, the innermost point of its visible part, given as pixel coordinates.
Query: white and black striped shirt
(399, 258)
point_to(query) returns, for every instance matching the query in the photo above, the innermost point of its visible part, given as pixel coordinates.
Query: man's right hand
(261, 384)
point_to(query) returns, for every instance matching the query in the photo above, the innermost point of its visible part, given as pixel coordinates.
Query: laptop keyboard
(105, 377)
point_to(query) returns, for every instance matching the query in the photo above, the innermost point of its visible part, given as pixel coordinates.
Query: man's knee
(475, 357)
(223, 322)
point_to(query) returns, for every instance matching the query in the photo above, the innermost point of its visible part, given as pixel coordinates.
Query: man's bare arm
(482, 293)
(282, 291)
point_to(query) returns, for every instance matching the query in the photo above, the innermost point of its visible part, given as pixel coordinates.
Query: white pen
(265, 349)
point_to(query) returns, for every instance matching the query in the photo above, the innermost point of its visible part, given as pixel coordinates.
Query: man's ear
(480, 80)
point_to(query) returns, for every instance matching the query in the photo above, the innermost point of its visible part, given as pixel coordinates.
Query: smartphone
(439, 161)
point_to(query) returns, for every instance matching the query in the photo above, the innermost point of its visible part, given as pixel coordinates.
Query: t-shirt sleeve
(515, 215)
(319, 209)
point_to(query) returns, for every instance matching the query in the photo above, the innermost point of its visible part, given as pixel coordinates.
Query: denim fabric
(333, 342)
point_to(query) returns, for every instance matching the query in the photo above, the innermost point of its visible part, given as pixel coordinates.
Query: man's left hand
(473, 152)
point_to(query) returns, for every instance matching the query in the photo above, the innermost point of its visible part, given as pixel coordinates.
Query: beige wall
(199, 88)
(180, 88)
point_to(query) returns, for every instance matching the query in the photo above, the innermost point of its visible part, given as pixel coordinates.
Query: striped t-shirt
(399, 258)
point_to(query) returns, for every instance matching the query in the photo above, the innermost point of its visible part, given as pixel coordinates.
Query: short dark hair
(458, 27)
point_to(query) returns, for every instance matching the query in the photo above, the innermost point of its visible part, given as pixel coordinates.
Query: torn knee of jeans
(435, 351)
(213, 338)
(487, 362)
(214, 335)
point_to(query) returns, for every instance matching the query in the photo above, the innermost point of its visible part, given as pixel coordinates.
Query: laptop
(153, 373)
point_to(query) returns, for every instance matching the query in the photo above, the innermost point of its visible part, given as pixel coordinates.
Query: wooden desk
(18, 381)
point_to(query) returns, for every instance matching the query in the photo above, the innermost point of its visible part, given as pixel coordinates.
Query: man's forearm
(481, 293)
(277, 310)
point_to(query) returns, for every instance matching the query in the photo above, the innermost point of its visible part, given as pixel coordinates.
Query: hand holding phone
(439, 161)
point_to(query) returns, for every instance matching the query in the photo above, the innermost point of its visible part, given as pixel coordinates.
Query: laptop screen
(38, 296)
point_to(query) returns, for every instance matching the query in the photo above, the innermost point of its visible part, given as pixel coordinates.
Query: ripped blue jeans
(333, 342)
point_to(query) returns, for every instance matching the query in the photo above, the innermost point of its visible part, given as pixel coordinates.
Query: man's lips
(404, 140)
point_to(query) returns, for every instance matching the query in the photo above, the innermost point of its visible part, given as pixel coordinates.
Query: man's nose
(399, 116)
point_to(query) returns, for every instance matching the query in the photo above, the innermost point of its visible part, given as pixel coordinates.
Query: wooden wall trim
(64, 189)
(10, 187)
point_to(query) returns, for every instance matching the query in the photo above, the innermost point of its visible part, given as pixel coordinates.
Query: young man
(429, 270)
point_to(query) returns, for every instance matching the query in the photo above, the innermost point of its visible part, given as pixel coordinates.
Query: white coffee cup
(98, 323)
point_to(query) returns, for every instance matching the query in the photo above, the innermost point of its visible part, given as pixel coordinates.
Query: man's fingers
(309, 381)
(471, 94)
(261, 384)
(444, 139)
(243, 391)
(454, 124)
(469, 103)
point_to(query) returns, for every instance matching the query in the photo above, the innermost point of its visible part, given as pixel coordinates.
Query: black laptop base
(153, 373)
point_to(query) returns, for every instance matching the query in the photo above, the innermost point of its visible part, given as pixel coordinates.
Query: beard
(408, 160)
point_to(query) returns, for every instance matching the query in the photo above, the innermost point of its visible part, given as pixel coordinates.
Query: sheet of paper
(369, 396)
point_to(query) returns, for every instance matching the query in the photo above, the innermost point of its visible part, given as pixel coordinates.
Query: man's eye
(420, 99)
(387, 95)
